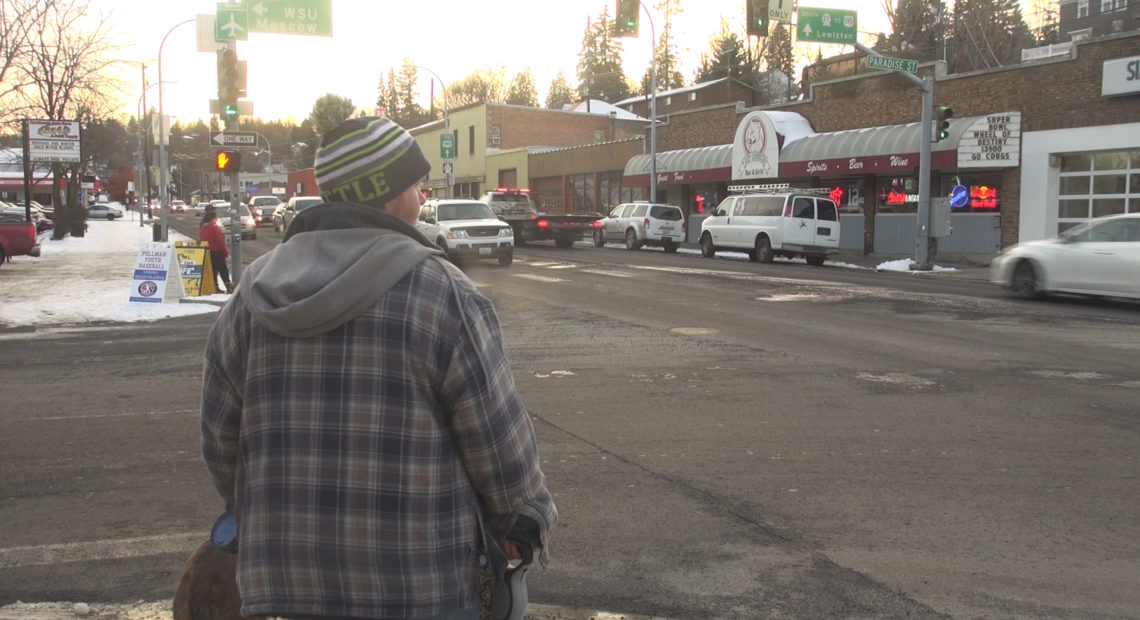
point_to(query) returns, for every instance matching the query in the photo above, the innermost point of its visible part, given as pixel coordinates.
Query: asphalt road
(724, 440)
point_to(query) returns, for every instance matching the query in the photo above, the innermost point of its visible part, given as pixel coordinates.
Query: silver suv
(642, 223)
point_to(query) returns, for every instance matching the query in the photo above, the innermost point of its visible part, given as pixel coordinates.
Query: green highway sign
(231, 23)
(826, 25)
(446, 146)
(309, 17)
(892, 64)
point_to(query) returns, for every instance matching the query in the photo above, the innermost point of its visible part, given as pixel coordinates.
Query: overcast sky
(452, 38)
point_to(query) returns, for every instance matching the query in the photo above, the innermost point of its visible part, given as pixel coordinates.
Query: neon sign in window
(983, 198)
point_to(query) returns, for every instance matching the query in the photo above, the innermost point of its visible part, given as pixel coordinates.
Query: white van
(769, 222)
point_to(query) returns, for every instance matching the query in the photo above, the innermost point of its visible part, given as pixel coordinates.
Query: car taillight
(597, 224)
(542, 224)
(645, 223)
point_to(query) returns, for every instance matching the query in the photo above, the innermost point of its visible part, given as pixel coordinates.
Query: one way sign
(234, 138)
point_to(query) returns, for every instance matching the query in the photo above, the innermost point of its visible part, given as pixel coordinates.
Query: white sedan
(104, 210)
(1099, 258)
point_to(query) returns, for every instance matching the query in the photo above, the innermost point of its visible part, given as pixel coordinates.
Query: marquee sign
(755, 148)
(992, 141)
(902, 164)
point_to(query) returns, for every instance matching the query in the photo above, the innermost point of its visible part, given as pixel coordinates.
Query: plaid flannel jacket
(355, 459)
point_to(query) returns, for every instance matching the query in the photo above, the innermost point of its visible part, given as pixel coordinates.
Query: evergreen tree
(988, 33)
(600, 73)
(727, 56)
(410, 113)
(665, 53)
(522, 91)
(918, 28)
(560, 93)
(779, 56)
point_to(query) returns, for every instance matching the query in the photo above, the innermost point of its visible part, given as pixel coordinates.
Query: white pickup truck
(467, 229)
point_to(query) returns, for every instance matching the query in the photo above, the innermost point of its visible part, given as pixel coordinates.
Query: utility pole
(925, 213)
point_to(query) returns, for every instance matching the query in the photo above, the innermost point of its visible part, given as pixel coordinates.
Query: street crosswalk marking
(616, 274)
(540, 278)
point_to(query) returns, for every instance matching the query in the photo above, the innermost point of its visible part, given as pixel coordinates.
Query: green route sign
(446, 146)
(308, 17)
(892, 64)
(826, 25)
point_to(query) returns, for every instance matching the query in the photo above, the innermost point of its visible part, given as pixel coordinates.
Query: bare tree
(19, 19)
(66, 72)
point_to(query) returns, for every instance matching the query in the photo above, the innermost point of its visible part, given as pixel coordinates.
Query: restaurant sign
(991, 141)
(755, 148)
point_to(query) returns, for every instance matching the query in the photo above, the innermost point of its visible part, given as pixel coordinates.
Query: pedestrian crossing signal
(227, 161)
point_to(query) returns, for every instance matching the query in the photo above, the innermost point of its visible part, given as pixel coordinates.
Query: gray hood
(322, 279)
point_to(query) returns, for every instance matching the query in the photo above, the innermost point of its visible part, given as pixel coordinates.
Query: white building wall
(1039, 179)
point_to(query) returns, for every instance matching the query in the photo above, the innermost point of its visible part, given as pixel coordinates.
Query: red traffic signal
(227, 161)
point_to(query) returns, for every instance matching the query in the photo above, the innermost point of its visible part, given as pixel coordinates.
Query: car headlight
(506, 232)
(457, 234)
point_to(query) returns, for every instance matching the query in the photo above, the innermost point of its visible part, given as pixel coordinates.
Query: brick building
(1034, 148)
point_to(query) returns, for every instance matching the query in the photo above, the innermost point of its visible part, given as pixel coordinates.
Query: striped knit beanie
(368, 160)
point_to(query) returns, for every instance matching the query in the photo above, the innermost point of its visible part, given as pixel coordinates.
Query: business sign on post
(827, 25)
(308, 17)
(54, 142)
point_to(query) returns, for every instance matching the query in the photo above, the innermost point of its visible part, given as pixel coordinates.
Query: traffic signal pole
(922, 257)
(163, 135)
(235, 214)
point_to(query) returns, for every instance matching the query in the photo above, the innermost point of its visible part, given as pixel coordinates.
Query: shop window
(1110, 184)
(580, 188)
(898, 195)
(1076, 163)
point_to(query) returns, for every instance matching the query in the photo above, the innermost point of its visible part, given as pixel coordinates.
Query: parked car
(177, 206)
(767, 222)
(295, 205)
(263, 208)
(1101, 257)
(467, 229)
(248, 223)
(12, 213)
(200, 207)
(104, 210)
(641, 223)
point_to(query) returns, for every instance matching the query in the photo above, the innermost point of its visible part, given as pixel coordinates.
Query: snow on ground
(89, 278)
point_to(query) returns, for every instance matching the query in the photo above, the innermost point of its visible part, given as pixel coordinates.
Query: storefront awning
(705, 164)
(891, 148)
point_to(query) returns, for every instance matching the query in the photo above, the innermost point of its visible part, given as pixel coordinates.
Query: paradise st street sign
(826, 25)
(892, 64)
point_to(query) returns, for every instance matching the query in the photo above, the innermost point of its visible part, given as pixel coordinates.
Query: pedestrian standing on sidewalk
(359, 415)
(211, 232)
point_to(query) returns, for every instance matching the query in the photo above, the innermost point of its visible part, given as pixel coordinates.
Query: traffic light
(942, 116)
(757, 15)
(626, 21)
(231, 81)
(227, 161)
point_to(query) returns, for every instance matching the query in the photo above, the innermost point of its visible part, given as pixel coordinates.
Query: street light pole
(446, 124)
(163, 190)
(652, 108)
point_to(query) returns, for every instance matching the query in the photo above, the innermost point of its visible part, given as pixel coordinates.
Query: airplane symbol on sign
(234, 29)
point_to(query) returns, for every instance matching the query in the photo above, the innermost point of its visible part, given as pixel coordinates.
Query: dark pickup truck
(515, 207)
(17, 237)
